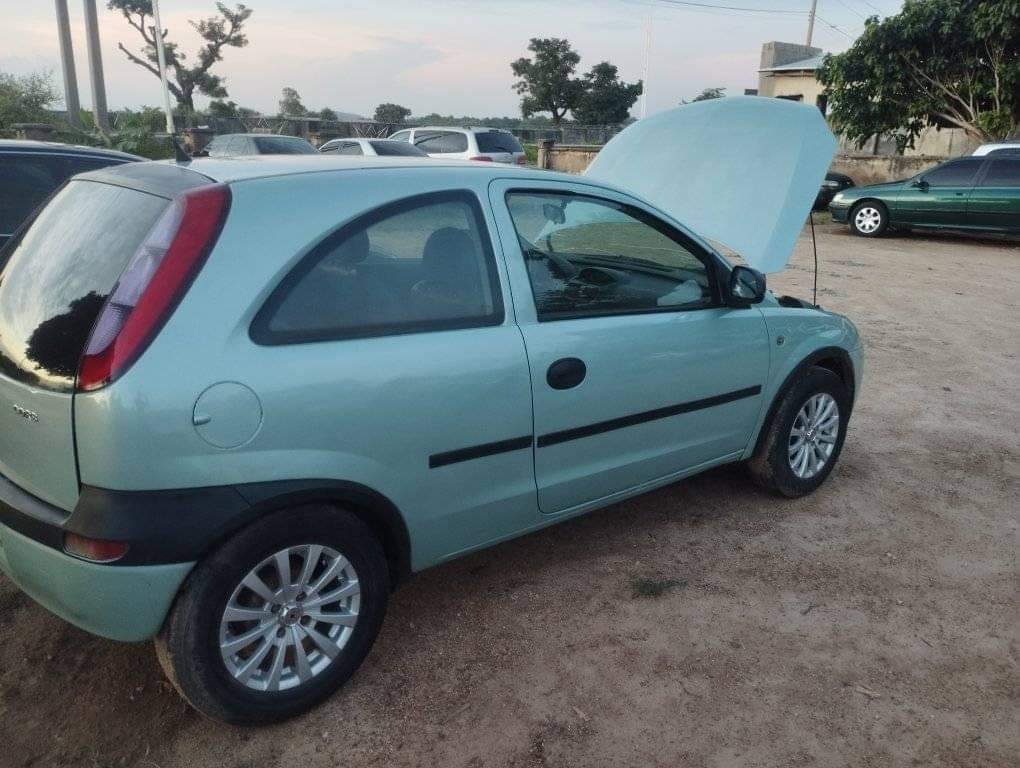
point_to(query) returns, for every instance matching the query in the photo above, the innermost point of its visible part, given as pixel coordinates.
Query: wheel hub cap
(813, 435)
(289, 618)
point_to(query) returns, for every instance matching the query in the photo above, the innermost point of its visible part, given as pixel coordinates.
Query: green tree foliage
(220, 108)
(606, 100)
(290, 103)
(391, 113)
(707, 94)
(546, 82)
(327, 114)
(217, 32)
(950, 63)
(23, 99)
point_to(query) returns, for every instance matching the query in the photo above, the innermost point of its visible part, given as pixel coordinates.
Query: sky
(446, 56)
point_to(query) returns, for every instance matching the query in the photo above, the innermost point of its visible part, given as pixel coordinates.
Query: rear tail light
(521, 160)
(485, 158)
(94, 550)
(152, 284)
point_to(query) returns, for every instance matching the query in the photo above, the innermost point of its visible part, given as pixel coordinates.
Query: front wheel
(869, 219)
(278, 618)
(805, 436)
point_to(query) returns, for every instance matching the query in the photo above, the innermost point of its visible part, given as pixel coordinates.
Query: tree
(949, 63)
(391, 113)
(707, 94)
(220, 108)
(606, 100)
(24, 99)
(327, 114)
(218, 32)
(547, 82)
(290, 103)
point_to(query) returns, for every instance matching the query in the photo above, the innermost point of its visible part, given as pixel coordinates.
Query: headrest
(353, 250)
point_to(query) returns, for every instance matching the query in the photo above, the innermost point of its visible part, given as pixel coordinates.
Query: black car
(834, 182)
(31, 170)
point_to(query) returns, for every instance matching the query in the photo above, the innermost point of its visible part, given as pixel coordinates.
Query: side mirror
(920, 184)
(746, 287)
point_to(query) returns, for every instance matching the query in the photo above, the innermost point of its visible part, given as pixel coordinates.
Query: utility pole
(96, 66)
(67, 65)
(161, 57)
(811, 22)
(646, 62)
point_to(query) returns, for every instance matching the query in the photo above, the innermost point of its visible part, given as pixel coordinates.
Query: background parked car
(834, 182)
(479, 143)
(1001, 148)
(372, 148)
(31, 170)
(972, 193)
(238, 144)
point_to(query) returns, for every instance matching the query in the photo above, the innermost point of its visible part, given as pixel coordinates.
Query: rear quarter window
(58, 274)
(497, 141)
(279, 145)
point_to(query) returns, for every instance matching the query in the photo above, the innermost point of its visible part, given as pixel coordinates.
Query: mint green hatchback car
(241, 399)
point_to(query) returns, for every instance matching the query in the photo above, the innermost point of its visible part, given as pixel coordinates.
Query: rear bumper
(119, 602)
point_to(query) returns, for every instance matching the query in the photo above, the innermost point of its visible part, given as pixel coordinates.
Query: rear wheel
(806, 434)
(869, 219)
(278, 618)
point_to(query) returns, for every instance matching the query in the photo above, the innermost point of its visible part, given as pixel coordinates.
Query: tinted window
(59, 273)
(330, 146)
(29, 179)
(954, 174)
(1003, 171)
(351, 148)
(282, 145)
(418, 265)
(387, 148)
(587, 256)
(441, 142)
(1005, 151)
(497, 141)
(401, 136)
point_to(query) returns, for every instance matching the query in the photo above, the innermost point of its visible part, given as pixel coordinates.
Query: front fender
(800, 338)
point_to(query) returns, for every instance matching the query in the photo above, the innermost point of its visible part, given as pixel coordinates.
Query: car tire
(869, 218)
(789, 457)
(308, 647)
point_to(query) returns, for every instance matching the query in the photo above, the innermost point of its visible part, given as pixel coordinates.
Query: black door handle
(566, 373)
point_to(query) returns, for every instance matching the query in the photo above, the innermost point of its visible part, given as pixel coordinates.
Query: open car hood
(741, 170)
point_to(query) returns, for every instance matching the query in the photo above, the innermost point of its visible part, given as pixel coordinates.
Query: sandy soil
(872, 624)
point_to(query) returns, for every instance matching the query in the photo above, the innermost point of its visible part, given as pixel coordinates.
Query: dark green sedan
(970, 193)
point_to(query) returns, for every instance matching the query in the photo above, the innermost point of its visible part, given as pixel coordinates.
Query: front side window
(421, 264)
(588, 256)
(401, 136)
(351, 148)
(1003, 171)
(959, 173)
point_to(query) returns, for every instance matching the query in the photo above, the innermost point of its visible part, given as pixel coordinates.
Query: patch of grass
(644, 587)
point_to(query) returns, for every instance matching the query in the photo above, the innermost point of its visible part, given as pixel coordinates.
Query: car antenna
(814, 247)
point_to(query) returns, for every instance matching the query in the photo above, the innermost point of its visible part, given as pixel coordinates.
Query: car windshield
(497, 141)
(402, 148)
(283, 145)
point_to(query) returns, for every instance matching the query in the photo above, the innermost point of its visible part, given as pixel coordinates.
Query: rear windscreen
(58, 274)
(497, 141)
(278, 145)
(385, 148)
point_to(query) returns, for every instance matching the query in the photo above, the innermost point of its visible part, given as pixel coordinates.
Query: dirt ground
(871, 624)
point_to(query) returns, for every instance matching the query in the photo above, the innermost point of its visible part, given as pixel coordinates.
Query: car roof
(462, 128)
(229, 170)
(60, 148)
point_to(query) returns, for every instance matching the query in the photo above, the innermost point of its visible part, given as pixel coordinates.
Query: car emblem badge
(25, 413)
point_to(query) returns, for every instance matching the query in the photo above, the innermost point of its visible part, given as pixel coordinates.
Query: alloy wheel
(813, 436)
(289, 618)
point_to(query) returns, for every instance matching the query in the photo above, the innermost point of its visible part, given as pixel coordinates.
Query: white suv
(491, 144)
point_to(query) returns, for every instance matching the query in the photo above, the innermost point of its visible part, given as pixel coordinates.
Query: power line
(743, 9)
(854, 11)
(833, 26)
(875, 8)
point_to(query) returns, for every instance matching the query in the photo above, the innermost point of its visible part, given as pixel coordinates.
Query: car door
(638, 373)
(938, 197)
(995, 201)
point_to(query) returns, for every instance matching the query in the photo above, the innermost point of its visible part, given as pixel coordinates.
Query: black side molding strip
(478, 451)
(554, 438)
